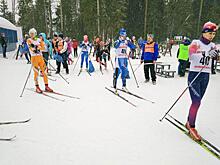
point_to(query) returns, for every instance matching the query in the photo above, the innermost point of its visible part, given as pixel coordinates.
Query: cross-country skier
(55, 43)
(23, 48)
(62, 52)
(149, 56)
(201, 52)
(46, 49)
(86, 47)
(121, 59)
(37, 60)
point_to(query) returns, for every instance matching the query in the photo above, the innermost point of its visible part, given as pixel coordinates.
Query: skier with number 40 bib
(201, 52)
(121, 59)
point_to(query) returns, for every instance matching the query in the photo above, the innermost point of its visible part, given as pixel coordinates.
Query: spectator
(75, 47)
(3, 42)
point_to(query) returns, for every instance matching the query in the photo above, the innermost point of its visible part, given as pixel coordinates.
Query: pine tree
(27, 18)
(5, 13)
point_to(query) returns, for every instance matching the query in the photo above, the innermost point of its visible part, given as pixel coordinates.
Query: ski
(8, 139)
(201, 143)
(121, 97)
(52, 79)
(135, 95)
(46, 95)
(204, 140)
(61, 94)
(86, 71)
(15, 122)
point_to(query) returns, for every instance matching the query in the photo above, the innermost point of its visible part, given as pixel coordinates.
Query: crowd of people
(201, 54)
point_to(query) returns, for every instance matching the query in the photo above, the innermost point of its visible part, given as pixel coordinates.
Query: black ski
(15, 122)
(204, 140)
(61, 94)
(121, 97)
(201, 143)
(135, 95)
(8, 139)
(46, 95)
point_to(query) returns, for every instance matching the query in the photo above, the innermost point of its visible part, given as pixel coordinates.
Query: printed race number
(205, 60)
(123, 51)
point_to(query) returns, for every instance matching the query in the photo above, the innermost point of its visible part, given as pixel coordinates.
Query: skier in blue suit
(86, 48)
(121, 59)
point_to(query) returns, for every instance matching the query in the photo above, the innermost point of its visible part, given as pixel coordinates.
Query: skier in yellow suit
(37, 60)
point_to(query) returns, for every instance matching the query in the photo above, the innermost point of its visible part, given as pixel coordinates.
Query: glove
(32, 45)
(213, 53)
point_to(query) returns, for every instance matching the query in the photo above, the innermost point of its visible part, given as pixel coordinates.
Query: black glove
(32, 45)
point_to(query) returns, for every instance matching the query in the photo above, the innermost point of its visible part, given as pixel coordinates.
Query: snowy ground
(100, 128)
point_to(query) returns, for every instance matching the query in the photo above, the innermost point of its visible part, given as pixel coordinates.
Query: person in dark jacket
(149, 56)
(3, 43)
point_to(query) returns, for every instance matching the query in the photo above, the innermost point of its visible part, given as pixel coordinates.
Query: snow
(100, 128)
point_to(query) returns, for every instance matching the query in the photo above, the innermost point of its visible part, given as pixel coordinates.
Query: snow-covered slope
(100, 128)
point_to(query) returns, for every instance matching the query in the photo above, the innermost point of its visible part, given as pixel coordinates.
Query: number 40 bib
(200, 59)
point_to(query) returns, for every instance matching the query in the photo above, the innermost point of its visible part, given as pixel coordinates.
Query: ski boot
(125, 89)
(154, 82)
(193, 132)
(38, 90)
(146, 81)
(47, 88)
(67, 71)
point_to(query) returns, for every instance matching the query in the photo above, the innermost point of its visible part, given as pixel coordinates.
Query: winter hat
(150, 35)
(122, 32)
(61, 35)
(186, 41)
(209, 27)
(85, 38)
(33, 31)
(55, 34)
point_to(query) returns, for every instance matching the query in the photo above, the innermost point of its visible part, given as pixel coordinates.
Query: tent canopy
(4, 23)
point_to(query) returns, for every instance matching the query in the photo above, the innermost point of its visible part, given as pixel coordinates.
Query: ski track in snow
(100, 128)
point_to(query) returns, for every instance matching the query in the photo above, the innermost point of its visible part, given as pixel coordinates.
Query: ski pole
(182, 94)
(137, 67)
(59, 74)
(133, 72)
(112, 64)
(55, 69)
(145, 64)
(26, 81)
(77, 61)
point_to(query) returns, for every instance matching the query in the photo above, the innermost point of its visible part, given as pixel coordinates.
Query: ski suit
(121, 61)
(199, 59)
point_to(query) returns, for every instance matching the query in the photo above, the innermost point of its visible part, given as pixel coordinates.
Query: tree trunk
(98, 17)
(200, 14)
(145, 18)
(61, 15)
